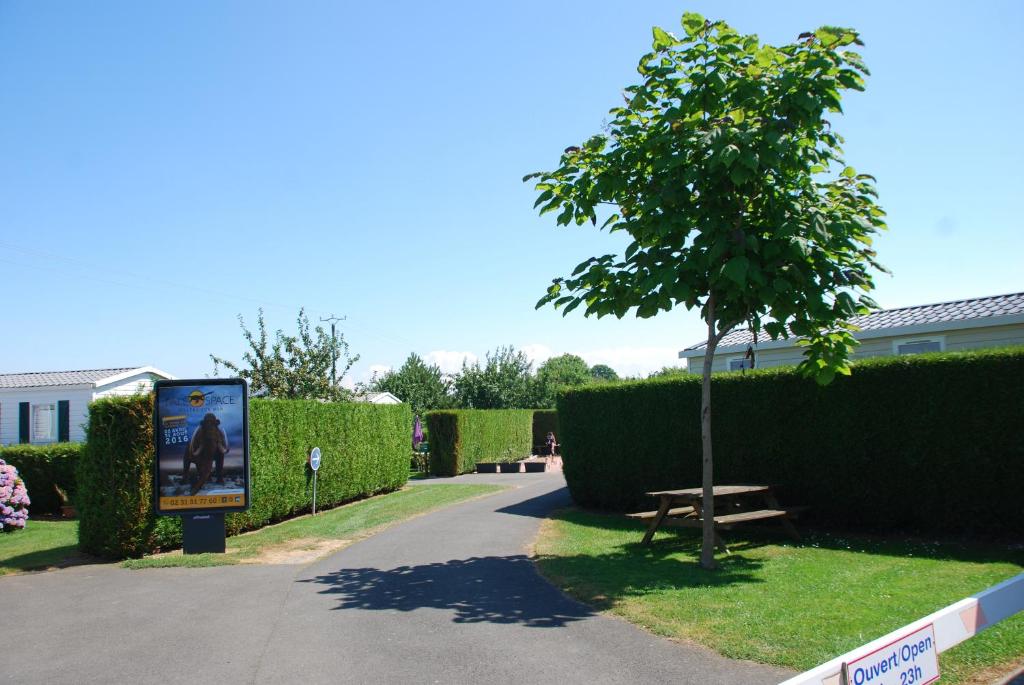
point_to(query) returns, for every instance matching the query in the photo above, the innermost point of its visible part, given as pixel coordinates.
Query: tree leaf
(765, 57)
(736, 270)
(739, 174)
(662, 38)
(825, 376)
(749, 159)
(693, 23)
(728, 155)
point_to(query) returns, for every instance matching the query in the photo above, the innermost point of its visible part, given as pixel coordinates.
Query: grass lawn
(40, 544)
(778, 602)
(308, 537)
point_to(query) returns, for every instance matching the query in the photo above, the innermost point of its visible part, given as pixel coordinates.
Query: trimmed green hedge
(460, 438)
(42, 467)
(545, 421)
(115, 480)
(365, 451)
(925, 442)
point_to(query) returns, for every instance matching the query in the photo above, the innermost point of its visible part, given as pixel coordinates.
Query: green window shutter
(23, 414)
(63, 421)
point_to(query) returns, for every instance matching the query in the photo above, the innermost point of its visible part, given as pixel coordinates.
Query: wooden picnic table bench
(684, 509)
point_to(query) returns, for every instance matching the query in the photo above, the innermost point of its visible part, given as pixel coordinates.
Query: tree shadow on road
(476, 590)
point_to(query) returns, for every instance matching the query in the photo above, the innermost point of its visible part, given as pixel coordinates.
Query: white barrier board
(950, 626)
(910, 660)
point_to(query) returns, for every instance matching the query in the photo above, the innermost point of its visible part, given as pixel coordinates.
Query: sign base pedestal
(203, 533)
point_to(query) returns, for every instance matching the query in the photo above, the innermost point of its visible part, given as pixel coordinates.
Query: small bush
(365, 451)
(44, 466)
(922, 443)
(14, 499)
(461, 438)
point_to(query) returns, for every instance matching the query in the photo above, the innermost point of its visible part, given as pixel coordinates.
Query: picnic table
(731, 506)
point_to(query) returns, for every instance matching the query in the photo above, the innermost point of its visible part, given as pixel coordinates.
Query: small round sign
(314, 459)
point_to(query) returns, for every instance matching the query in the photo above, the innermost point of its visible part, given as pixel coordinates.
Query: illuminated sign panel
(201, 433)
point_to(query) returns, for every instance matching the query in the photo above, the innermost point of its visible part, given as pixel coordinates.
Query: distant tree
(667, 371)
(723, 170)
(292, 366)
(565, 371)
(505, 381)
(603, 372)
(423, 386)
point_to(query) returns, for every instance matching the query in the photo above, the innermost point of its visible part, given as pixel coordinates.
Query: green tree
(723, 170)
(564, 371)
(292, 366)
(603, 372)
(417, 383)
(669, 371)
(505, 381)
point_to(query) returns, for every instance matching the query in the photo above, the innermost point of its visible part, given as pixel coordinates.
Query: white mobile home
(996, 321)
(45, 407)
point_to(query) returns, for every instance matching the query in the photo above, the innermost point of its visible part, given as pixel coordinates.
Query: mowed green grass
(350, 522)
(39, 545)
(790, 604)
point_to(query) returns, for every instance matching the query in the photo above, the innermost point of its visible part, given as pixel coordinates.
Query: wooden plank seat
(739, 517)
(646, 515)
(745, 516)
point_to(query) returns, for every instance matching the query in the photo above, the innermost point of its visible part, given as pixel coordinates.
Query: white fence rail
(953, 625)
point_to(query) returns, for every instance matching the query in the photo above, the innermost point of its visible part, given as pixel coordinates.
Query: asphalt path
(449, 597)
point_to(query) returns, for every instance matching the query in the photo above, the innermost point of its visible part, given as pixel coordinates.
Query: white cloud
(449, 361)
(634, 361)
(627, 361)
(537, 353)
(378, 369)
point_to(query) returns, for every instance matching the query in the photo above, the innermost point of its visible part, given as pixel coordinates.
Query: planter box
(486, 467)
(535, 466)
(509, 467)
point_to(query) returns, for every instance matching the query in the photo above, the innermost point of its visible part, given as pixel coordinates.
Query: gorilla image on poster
(201, 444)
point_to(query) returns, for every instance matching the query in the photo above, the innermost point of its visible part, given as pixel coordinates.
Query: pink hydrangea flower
(14, 498)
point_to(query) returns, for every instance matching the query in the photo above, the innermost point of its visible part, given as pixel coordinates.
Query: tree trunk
(707, 549)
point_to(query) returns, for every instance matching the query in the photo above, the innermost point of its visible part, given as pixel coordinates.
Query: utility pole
(334, 349)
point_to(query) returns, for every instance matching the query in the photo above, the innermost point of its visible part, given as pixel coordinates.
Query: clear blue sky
(167, 166)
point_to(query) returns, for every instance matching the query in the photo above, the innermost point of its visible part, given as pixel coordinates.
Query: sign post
(314, 463)
(201, 433)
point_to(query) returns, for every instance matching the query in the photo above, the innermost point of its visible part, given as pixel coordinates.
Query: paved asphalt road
(450, 597)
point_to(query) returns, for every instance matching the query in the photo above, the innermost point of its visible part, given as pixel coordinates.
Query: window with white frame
(934, 343)
(740, 363)
(44, 422)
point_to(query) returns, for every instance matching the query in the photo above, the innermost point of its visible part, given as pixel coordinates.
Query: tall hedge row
(365, 451)
(927, 443)
(461, 438)
(364, 447)
(42, 467)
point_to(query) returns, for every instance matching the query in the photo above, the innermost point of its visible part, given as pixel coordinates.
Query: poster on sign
(201, 433)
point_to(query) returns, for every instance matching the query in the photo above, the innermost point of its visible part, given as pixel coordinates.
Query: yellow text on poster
(202, 502)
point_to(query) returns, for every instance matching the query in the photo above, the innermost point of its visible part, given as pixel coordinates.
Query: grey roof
(958, 310)
(40, 379)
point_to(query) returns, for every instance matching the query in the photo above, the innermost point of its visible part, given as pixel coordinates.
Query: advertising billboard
(201, 433)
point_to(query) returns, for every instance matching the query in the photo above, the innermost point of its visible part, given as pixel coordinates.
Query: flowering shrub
(13, 498)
